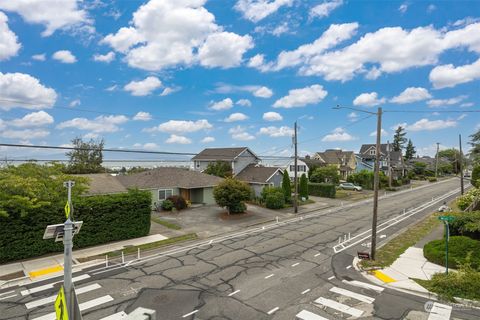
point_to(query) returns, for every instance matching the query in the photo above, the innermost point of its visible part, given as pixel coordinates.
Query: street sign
(363, 255)
(55, 231)
(446, 218)
(67, 209)
(61, 305)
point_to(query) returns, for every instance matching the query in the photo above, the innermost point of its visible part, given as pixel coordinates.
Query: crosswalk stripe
(440, 312)
(51, 299)
(116, 316)
(364, 285)
(83, 306)
(353, 295)
(307, 315)
(50, 285)
(339, 306)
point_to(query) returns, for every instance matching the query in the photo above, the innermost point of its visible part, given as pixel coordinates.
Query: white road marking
(189, 314)
(348, 267)
(234, 292)
(331, 277)
(295, 264)
(116, 316)
(50, 285)
(339, 306)
(440, 312)
(7, 297)
(83, 306)
(305, 291)
(269, 276)
(6, 293)
(383, 236)
(352, 294)
(273, 310)
(317, 254)
(41, 302)
(307, 315)
(364, 285)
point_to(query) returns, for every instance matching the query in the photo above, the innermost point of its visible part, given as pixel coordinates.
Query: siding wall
(196, 195)
(154, 192)
(276, 180)
(242, 161)
(208, 195)
(257, 188)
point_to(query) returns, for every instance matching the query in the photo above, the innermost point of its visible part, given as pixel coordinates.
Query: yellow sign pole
(61, 305)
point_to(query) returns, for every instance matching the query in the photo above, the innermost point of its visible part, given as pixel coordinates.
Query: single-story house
(258, 177)
(103, 183)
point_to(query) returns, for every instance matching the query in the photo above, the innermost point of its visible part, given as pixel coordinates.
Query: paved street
(275, 272)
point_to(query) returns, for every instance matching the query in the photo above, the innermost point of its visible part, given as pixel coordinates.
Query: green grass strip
(169, 225)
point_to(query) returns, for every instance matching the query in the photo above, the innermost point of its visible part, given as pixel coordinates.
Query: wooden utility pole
(461, 164)
(389, 165)
(436, 161)
(376, 184)
(295, 179)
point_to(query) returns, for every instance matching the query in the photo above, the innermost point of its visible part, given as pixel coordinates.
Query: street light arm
(355, 109)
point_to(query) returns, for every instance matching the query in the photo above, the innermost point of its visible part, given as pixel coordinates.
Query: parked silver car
(349, 186)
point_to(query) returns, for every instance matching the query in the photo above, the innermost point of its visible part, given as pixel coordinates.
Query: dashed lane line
(273, 310)
(295, 264)
(269, 276)
(305, 291)
(190, 313)
(234, 292)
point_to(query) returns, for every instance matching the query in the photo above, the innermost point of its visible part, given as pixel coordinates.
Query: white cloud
(90, 135)
(431, 8)
(146, 146)
(257, 91)
(53, 14)
(338, 134)
(21, 134)
(258, 62)
(224, 104)
(75, 103)
(411, 94)
(9, 44)
(467, 105)
(263, 92)
(240, 133)
(352, 116)
(383, 133)
(275, 132)
(280, 29)
(64, 56)
(34, 119)
(169, 33)
(142, 116)
(430, 125)
(108, 57)
(403, 8)
(324, 9)
(236, 117)
(169, 90)
(373, 73)
(446, 102)
(181, 126)
(178, 139)
(368, 100)
(462, 116)
(244, 103)
(143, 87)
(112, 88)
(25, 91)
(256, 10)
(272, 116)
(447, 76)
(301, 97)
(39, 57)
(208, 139)
(98, 125)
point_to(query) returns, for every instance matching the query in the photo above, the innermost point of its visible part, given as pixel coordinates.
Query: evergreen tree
(475, 151)
(287, 189)
(303, 188)
(87, 157)
(410, 150)
(399, 139)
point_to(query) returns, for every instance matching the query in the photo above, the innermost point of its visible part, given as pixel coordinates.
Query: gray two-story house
(388, 159)
(238, 158)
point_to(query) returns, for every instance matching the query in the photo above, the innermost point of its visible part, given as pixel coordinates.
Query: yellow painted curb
(42, 272)
(382, 276)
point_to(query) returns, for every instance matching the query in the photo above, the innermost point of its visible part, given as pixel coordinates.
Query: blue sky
(181, 75)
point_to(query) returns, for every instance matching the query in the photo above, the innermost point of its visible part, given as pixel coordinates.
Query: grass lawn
(167, 224)
(352, 195)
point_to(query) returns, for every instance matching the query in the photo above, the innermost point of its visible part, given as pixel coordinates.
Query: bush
(275, 200)
(365, 179)
(303, 188)
(476, 176)
(286, 187)
(432, 179)
(463, 202)
(328, 174)
(466, 224)
(167, 205)
(231, 193)
(459, 248)
(322, 190)
(178, 202)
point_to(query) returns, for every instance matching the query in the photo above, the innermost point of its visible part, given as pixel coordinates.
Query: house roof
(313, 162)
(335, 156)
(169, 178)
(221, 154)
(383, 148)
(103, 183)
(256, 174)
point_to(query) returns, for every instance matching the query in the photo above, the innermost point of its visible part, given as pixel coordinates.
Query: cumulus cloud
(39, 57)
(352, 116)
(100, 124)
(224, 104)
(9, 44)
(272, 116)
(446, 102)
(256, 10)
(431, 125)
(169, 90)
(338, 135)
(383, 133)
(263, 92)
(64, 56)
(208, 139)
(53, 14)
(108, 57)
(181, 126)
(448, 76)
(142, 116)
(24, 91)
(34, 119)
(143, 87)
(324, 9)
(368, 100)
(301, 97)
(75, 103)
(411, 94)
(240, 133)
(169, 33)
(244, 103)
(178, 139)
(236, 117)
(275, 132)
(21, 134)
(257, 91)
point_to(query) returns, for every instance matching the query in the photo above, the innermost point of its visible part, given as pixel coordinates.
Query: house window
(197, 164)
(300, 168)
(164, 194)
(372, 152)
(292, 168)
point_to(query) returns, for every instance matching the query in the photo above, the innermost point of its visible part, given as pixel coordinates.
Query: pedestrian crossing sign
(61, 306)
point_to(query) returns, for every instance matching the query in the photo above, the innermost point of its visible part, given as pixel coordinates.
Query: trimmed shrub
(476, 176)
(466, 224)
(365, 179)
(275, 200)
(167, 205)
(326, 190)
(432, 179)
(303, 188)
(178, 202)
(286, 186)
(231, 193)
(459, 248)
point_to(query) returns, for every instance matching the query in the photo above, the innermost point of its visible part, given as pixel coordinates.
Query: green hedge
(458, 249)
(105, 218)
(326, 190)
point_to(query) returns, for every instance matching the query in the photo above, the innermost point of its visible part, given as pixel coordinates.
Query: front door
(185, 193)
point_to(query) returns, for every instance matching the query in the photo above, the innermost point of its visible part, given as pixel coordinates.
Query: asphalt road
(263, 273)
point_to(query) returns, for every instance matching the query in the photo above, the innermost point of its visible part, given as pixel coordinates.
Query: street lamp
(376, 173)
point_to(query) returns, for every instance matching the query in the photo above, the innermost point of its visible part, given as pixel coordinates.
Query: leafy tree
(453, 156)
(220, 169)
(87, 157)
(231, 193)
(399, 139)
(410, 150)
(475, 142)
(476, 176)
(303, 188)
(287, 188)
(419, 168)
(325, 174)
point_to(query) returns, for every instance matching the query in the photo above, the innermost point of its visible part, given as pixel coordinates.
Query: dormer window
(372, 152)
